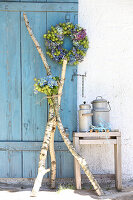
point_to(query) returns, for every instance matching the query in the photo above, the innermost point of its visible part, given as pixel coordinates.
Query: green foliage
(54, 42)
(48, 85)
(70, 187)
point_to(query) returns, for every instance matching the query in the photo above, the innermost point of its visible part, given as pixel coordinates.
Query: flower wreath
(54, 42)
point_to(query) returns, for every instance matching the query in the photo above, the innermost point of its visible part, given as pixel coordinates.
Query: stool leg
(77, 172)
(118, 171)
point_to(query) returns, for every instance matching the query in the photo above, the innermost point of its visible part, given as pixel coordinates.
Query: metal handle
(87, 114)
(109, 106)
(99, 96)
(67, 18)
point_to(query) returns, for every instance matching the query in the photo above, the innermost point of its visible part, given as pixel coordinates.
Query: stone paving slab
(9, 192)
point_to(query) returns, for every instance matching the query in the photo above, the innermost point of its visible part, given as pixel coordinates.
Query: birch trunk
(43, 154)
(51, 148)
(70, 147)
(53, 157)
(63, 73)
(49, 128)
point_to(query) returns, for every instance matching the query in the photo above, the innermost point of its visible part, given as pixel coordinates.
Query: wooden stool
(99, 138)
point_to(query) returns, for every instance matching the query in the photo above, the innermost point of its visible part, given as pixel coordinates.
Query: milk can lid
(99, 99)
(84, 106)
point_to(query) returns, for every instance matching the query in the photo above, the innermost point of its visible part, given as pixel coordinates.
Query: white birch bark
(53, 157)
(71, 148)
(43, 154)
(51, 148)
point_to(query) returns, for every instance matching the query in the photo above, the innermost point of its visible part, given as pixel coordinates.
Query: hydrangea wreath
(54, 42)
(48, 85)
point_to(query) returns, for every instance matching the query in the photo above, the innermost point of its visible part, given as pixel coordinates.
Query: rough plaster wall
(109, 67)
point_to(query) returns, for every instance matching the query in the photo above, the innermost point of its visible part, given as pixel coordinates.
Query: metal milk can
(85, 117)
(100, 110)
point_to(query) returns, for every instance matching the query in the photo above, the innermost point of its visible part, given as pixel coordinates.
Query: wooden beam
(38, 7)
(100, 141)
(94, 134)
(118, 170)
(77, 172)
(29, 146)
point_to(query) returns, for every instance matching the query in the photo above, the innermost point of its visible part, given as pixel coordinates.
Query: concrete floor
(19, 192)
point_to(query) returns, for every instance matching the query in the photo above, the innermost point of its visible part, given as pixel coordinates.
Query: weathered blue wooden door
(22, 117)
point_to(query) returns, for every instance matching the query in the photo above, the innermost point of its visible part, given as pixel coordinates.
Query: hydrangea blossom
(51, 82)
(42, 82)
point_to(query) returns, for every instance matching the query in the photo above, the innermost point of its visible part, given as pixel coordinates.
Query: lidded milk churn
(100, 110)
(85, 117)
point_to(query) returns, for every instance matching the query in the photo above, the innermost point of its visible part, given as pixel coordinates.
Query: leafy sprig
(48, 85)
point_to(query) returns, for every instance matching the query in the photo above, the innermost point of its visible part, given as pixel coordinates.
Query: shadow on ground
(22, 192)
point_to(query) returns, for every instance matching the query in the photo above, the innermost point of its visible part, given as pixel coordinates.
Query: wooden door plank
(10, 0)
(29, 146)
(64, 163)
(38, 7)
(10, 92)
(59, 1)
(10, 82)
(33, 1)
(30, 164)
(48, 1)
(34, 115)
(10, 164)
(69, 97)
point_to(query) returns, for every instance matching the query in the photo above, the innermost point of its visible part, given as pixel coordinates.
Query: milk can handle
(107, 102)
(109, 106)
(99, 96)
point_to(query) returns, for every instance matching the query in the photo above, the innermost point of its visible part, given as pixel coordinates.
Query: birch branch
(43, 154)
(70, 147)
(62, 80)
(51, 147)
(37, 45)
(53, 157)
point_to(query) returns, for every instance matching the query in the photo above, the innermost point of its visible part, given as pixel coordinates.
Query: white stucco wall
(109, 67)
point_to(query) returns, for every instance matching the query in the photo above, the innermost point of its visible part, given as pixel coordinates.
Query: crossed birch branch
(53, 121)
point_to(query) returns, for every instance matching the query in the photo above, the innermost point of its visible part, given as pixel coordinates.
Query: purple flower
(80, 35)
(74, 50)
(47, 43)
